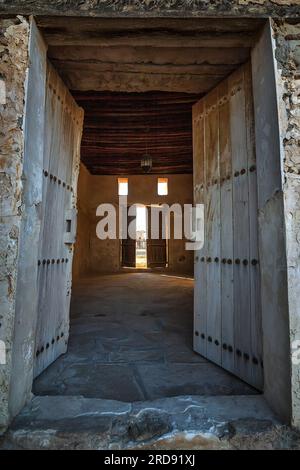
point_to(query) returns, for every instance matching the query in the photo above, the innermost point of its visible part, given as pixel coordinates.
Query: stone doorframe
(275, 62)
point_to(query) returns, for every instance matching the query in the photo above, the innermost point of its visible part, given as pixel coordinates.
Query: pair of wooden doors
(227, 320)
(62, 137)
(227, 310)
(156, 248)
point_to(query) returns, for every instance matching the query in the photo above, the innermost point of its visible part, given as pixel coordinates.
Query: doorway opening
(196, 128)
(132, 332)
(177, 89)
(141, 237)
(144, 248)
(134, 247)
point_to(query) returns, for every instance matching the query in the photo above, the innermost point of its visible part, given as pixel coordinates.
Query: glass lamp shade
(146, 163)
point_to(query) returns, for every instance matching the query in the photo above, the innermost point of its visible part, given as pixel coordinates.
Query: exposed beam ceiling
(138, 55)
(139, 60)
(119, 128)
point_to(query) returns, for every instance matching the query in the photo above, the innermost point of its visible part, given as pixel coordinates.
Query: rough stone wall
(14, 35)
(287, 54)
(153, 7)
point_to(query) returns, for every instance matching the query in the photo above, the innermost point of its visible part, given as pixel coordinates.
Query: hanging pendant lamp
(146, 161)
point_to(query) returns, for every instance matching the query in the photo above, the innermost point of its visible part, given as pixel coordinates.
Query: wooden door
(156, 248)
(62, 137)
(227, 316)
(129, 243)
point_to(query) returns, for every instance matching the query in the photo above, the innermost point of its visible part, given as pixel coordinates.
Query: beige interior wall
(98, 256)
(82, 245)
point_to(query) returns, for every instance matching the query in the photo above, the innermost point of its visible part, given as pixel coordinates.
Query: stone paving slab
(161, 380)
(93, 381)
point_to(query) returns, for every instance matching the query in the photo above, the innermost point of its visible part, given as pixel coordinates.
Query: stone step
(186, 422)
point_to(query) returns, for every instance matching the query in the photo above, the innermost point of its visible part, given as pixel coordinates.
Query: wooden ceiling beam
(134, 98)
(151, 55)
(96, 38)
(132, 24)
(133, 114)
(119, 145)
(109, 136)
(147, 126)
(69, 66)
(136, 82)
(137, 171)
(135, 152)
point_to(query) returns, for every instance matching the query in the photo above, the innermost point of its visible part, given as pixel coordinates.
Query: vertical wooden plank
(213, 227)
(255, 298)
(227, 308)
(44, 301)
(157, 248)
(77, 116)
(67, 147)
(200, 289)
(242, 312)
(129, 244)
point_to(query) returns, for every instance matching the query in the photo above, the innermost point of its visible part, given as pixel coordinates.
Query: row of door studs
(229, 348)
(237, 173)
(52, 261)
(245, 261)
(58, 180)
(52, 342)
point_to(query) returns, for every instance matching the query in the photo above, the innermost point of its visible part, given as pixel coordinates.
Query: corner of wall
(272, 239)
(286, 36)
(14, 40)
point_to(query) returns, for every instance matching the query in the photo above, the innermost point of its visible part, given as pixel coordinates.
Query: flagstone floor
(131, 340)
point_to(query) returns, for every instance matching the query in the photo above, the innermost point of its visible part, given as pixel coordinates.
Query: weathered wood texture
(140, 8)
(63, 128)
(185, 55)
(200, 196)
(227, 297)
(129, 243)
(212, 226)
(157, 247)
(119, 128)
(32, 176)
(133, 25)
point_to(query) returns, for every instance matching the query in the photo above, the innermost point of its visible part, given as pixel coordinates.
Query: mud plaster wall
(81, 261)
(96, 256)
(287, 54)
(14, 37)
